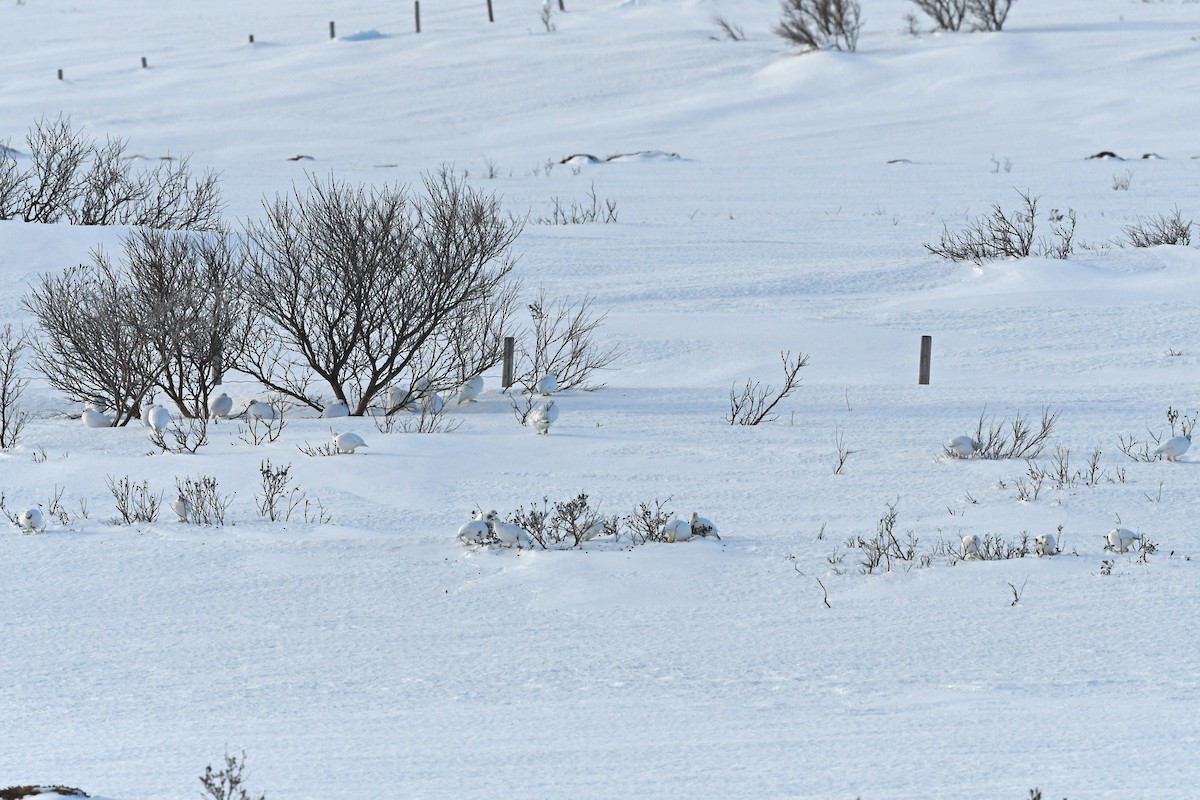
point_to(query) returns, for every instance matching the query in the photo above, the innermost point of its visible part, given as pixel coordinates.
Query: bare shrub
(182, 436)
(947, 15)
(648, 521)
(427, 419)
(279, 498)
(227, 783)
(205, 503)
(563, 342)
(885, 548)
(134, 501)
(1122, 181)
(92, 341)
(1013, 438)
(843, 452)
(12, 183)
(728, 30)
(821, 24)
(260, 430)
(393, 274)
(989, 15)
(568, 523)
(314, 451)
(1159, 230)
(12, 386)
(52, 185)
(1143, 450)
(754, 403)
(188, 288)
(999, 235)
(580, 212)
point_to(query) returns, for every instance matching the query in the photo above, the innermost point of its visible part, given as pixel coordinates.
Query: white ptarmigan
(347, 442)
(1046, 545)
(479, 529)
(970, 547)
(702, 526)
(962, 447)
(678, 530)
(542, 417)
(470, 390)
(260, 410)
(1120, 540)
(220, 406)
(94, 419)
(335, 409)
(182, 507)
(159, 418)
(547, 384)
(511, 535)
(1174, 447)
(31, 520)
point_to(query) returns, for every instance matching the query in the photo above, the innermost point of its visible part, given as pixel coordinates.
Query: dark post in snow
(490, 17)
(509, 345)
(144, 65)
(252, 38)
(926, 357)
(417, 14)
(561, 7)
(332, 35)
(60, 74)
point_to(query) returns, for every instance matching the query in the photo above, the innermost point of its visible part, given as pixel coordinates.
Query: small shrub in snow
(430, 418)
(947, 15)
(567, 523)
(563, 343)
(821, 24)
(134, 501)
(227, 783)
(204, 501)
(258, 430)
(1015, 438)
(580, 213)
(12, 386)
(989, 15)
(181, 436)
(317, 451)
(1159, 230)
(754, 403)
(1003, 234)
(728, 30)
(885, 548)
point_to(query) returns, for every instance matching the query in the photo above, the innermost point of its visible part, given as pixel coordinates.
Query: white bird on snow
(470, 390)
(1046, 545)
(347, 442)
(1174, 447)
(962, 447)
(159, 418)
(542, 417)
(96, 404)
(547, 384)
(337, 408)
(182, 507)
(260, 410)
(702, 526)
(1121, 539)
(511, 535)
(94, 419)
(593, 530)
(220, 406)
(31, 520)
(479, 529)
(146, 409)
(432, 403)
(970, 546)
(678, 530)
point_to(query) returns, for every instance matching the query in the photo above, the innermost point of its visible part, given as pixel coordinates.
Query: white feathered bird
(1046, 545)
(1121, 539)
(702, 526)
(432, 403)
(159, 418)
(182, 507)
(146, 409)
(1174, 447)
(347, 442)
(31, 520)
(335, 409)
(542, 417)
(476, 531)
(678, 530)
(547, 384)
(94, 419)
(96, 404)
(511, 535)
(962, 447)
(470, 390)
(220, 406)
(260, 410)
(970, 546)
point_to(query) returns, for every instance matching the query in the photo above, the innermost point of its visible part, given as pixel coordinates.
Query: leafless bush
(567, 523)
(74, 178)
(427, 419)
(648, 521)
(260, 430)
(728, 30)
(227, 783)
(523, 406)
(1143, 450)
(189, 292)
(947, 15)
(12, 386)
(547, 16)
(134, 501)
(580, 213)
(395, 275)
(885, 548)
(563, 342)
(755, 403)
(92, 340)
(821, 24)
(989, 15)
(315, 451)
(186, 436)
(1122, 181)
(1003, 235)
(995, 548)
(843, 452)
(205, 503)
(279, 499)
(1158, 230)
(1015, 438)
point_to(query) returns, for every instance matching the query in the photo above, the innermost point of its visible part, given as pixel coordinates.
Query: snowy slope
(375, 657)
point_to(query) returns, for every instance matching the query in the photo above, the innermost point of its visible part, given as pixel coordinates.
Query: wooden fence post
(417, 13)
(491, 18)
(509, 346)
(332, 35)
(60, 74)
(252, 38)
(144, 65)
(926, 357)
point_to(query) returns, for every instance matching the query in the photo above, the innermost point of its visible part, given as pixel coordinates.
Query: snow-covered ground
(377, 657)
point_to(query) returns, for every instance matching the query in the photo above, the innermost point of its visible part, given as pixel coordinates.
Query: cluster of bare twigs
(280, 500)
(134, 501)
(580, 213)
(1004, 234)
(951, 15)
(12, 385)
(1013, 438)
(1160, 229)
(563, 342)
(755, 403)
(821, 24)
(204, 502)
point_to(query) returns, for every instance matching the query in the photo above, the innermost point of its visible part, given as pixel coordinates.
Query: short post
(490, 18)
(60, 74)
(417, 14)
(252, 38)
(144, 65)
(926, 357)
(509, 345)
(561, 7)
(332, 35)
